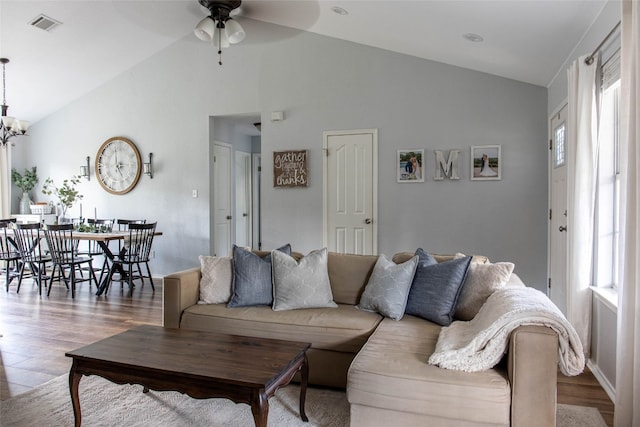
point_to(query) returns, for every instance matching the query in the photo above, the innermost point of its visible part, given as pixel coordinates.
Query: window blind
(611, 70)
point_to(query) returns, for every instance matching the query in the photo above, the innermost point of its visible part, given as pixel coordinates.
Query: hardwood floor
(36, 331)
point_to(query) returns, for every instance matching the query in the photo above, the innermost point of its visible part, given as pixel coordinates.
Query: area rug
(106, 404)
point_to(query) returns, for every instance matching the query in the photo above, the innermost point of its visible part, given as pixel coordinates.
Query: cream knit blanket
(480, 343)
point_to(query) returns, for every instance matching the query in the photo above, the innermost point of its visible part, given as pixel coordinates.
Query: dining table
(103, 239)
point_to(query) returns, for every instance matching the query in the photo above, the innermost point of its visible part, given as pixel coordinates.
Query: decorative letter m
(450, 167)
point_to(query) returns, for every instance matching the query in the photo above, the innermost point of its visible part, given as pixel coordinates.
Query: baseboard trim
(604, 382)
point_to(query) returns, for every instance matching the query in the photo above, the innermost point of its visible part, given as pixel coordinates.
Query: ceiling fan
(219, 27)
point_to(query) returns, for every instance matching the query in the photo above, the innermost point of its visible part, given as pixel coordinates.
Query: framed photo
(486, 162)
(410, 165)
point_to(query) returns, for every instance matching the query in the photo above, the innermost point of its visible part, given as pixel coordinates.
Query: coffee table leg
(304, 374)
(74, 382)
(260, 409)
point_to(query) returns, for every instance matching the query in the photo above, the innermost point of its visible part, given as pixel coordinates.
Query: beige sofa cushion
(391, 372)
(349, 275)
(401, 257)
(344, 328)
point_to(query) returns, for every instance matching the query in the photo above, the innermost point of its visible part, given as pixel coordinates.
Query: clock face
(118, 165)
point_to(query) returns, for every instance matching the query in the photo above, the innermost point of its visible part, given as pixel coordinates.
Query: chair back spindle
(61, 243)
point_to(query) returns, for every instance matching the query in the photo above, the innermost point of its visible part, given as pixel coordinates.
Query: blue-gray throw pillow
(436, 288)
(252, 283)
(424, 258)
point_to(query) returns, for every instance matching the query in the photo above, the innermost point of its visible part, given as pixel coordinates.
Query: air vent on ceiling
(44, 23)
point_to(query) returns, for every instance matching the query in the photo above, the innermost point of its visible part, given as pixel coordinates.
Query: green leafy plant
(67, 193)
(25, 181)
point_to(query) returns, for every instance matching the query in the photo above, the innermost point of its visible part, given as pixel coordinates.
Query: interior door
(243, 199)
(350, 191)
(558, 211)
(222, 198)
(256, 176)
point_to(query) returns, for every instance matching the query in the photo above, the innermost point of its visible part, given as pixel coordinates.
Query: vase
(63, 219)
(25, 203)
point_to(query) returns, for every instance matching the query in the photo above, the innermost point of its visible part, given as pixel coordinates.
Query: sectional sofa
(382, 362)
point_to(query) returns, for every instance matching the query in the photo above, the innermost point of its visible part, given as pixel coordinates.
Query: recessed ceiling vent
(44, 23)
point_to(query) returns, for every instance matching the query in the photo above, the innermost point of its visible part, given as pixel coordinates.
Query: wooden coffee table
(201, 364)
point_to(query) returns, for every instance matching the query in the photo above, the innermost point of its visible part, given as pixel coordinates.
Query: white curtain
(582, 152)
(627, 412)
(5, 180)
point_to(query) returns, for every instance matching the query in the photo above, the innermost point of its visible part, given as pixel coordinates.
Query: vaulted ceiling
(525, 40)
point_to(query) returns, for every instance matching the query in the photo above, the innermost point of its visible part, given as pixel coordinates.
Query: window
(608, 179)
(559, 153)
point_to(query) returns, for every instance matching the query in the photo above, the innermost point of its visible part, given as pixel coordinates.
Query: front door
(350, 191)
(558, 211)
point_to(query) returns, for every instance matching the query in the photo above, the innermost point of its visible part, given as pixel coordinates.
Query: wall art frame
(290, 168)
(410, 166)
(486, 163)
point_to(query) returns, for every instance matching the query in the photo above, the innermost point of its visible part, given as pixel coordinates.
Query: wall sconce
(148, 167)
(85, 171)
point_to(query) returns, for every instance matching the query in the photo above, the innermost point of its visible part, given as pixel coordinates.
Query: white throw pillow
(215, 284)
(303, 284)
(482, 280)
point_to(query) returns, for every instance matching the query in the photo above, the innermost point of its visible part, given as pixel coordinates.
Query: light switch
(194, 193)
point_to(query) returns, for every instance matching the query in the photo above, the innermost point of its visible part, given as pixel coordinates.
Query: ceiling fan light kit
(219, 28)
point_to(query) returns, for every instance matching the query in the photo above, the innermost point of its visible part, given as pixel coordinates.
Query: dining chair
(123, 224)
(136, 250)
(8, 254)
(64, 255)
(27, 238)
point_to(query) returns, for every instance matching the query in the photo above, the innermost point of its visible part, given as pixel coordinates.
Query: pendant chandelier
(219, 28)
(10, 126)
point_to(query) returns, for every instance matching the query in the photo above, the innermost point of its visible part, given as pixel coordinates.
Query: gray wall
(165, 104)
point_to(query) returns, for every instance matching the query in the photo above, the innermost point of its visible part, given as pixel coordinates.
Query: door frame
(374, 184)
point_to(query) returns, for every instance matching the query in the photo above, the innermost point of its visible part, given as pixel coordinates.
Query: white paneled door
(558, 211)
(222, 198)
(350, 191)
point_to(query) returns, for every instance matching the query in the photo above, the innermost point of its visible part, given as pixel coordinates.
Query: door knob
(562, 228)
(367, 221)
(228, 216)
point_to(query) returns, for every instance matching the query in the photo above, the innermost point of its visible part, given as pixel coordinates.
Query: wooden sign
(290, 168)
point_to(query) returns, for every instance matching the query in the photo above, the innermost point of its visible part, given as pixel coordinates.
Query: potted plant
(67, 193)
(25, 182)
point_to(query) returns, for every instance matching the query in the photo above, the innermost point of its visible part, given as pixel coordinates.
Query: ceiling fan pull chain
(219, 27)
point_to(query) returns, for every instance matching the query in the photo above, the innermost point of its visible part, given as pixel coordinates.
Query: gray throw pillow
(435, 290)
(252, 278)
(387, 289)
(303, 284)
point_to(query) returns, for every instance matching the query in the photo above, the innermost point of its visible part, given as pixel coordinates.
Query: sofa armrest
(181, 290)
(533, 374)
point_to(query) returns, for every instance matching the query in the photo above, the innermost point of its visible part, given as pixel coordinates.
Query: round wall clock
(118, 165)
